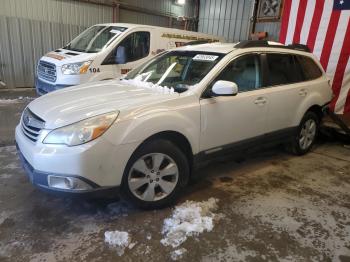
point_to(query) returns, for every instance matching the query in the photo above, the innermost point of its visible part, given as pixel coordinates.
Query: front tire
(306, 134)
(155, 175)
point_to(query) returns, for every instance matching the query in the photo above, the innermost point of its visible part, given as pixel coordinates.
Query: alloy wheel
(307, 134)
(153, 177)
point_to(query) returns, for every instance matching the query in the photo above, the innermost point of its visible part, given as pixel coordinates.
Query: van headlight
(81, 132)
(76, 68)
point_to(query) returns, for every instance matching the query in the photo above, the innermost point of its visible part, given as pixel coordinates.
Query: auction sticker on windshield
(202, 57)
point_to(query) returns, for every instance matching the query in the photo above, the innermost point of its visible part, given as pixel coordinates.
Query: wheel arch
(312, 103)
(317, 109)
(177, 139)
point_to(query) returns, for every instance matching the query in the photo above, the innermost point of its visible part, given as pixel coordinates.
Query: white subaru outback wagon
(145, 133)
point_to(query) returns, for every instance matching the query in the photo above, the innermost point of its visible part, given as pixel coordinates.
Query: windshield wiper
(68, 47)
(181, 88)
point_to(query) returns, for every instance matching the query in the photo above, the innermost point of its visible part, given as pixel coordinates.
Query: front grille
(47, 71)
(31, 125)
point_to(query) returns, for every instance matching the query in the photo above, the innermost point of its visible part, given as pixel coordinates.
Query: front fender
(144, 127)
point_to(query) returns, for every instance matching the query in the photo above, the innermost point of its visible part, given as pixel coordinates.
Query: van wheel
(155, 175)
(306, 134)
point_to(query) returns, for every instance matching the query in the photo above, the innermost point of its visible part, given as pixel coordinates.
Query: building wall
(31, 28)
(272, 29)
(165, 6)
(227, 18)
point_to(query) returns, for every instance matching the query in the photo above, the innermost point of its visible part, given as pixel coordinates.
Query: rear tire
(155, 175)
(306, 134)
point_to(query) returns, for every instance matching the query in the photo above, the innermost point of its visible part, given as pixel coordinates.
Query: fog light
(67, 183)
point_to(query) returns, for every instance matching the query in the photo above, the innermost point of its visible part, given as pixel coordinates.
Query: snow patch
(131, 246)
(117, 239)
(3, 216)
(8, 101)
(189, 219)
(8, 149)
(137, 81)
(13, 165)
(16, 100)
(5, 176)
(178, 254)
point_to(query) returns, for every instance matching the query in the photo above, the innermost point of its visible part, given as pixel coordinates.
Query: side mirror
(120, 55)
(224, 88)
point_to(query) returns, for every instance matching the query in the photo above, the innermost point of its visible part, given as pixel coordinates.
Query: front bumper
(43, 87)
(40, 179)
(99, 163)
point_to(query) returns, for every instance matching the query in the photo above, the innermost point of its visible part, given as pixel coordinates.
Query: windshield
(176, 69)
(95, 38)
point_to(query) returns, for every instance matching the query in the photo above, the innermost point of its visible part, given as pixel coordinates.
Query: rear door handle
(303, 92)
(260, 101)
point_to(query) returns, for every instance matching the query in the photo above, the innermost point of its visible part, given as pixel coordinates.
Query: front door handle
(260, 101)
(303, 92)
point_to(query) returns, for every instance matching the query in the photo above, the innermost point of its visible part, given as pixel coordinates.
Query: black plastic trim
(264, 43)
(248, 145)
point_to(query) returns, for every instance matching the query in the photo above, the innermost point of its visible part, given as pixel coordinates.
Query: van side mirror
(224, 88)
(120, 55)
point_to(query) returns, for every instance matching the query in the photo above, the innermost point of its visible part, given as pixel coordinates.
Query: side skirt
(240, 149)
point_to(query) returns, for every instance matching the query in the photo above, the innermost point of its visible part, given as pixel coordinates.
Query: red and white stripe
(344, 98)
(327, 33)
(310, 8)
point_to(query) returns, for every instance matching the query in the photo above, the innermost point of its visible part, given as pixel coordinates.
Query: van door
(132, 51)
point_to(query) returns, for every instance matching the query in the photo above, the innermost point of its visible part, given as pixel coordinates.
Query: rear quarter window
(309, 68)
(282, 69)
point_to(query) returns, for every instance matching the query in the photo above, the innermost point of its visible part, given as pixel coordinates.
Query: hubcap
(153, 177)
(307, 134)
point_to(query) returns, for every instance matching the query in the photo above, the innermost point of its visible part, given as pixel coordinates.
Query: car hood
(76, 103)
(60, 57)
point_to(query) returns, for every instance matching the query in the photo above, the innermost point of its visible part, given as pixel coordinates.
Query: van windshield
(95, 38)
(176, 69)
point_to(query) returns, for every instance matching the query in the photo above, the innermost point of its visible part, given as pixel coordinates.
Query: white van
(107, 51)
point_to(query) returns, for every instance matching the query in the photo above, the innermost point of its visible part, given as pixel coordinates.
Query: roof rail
(300, 47)
(264, 43)
(197, 42)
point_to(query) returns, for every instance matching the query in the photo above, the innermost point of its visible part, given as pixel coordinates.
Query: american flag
(324, 26)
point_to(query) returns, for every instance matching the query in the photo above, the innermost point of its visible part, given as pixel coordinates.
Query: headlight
(81, 132)
(75, 68)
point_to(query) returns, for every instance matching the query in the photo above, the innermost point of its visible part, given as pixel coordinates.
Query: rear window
(309, 68)
(283, 70)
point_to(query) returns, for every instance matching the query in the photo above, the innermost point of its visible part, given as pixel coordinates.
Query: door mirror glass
(224, 88)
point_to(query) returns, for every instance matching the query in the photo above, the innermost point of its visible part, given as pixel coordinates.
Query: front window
(177, 69)
(95, 38)
(244, 71)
